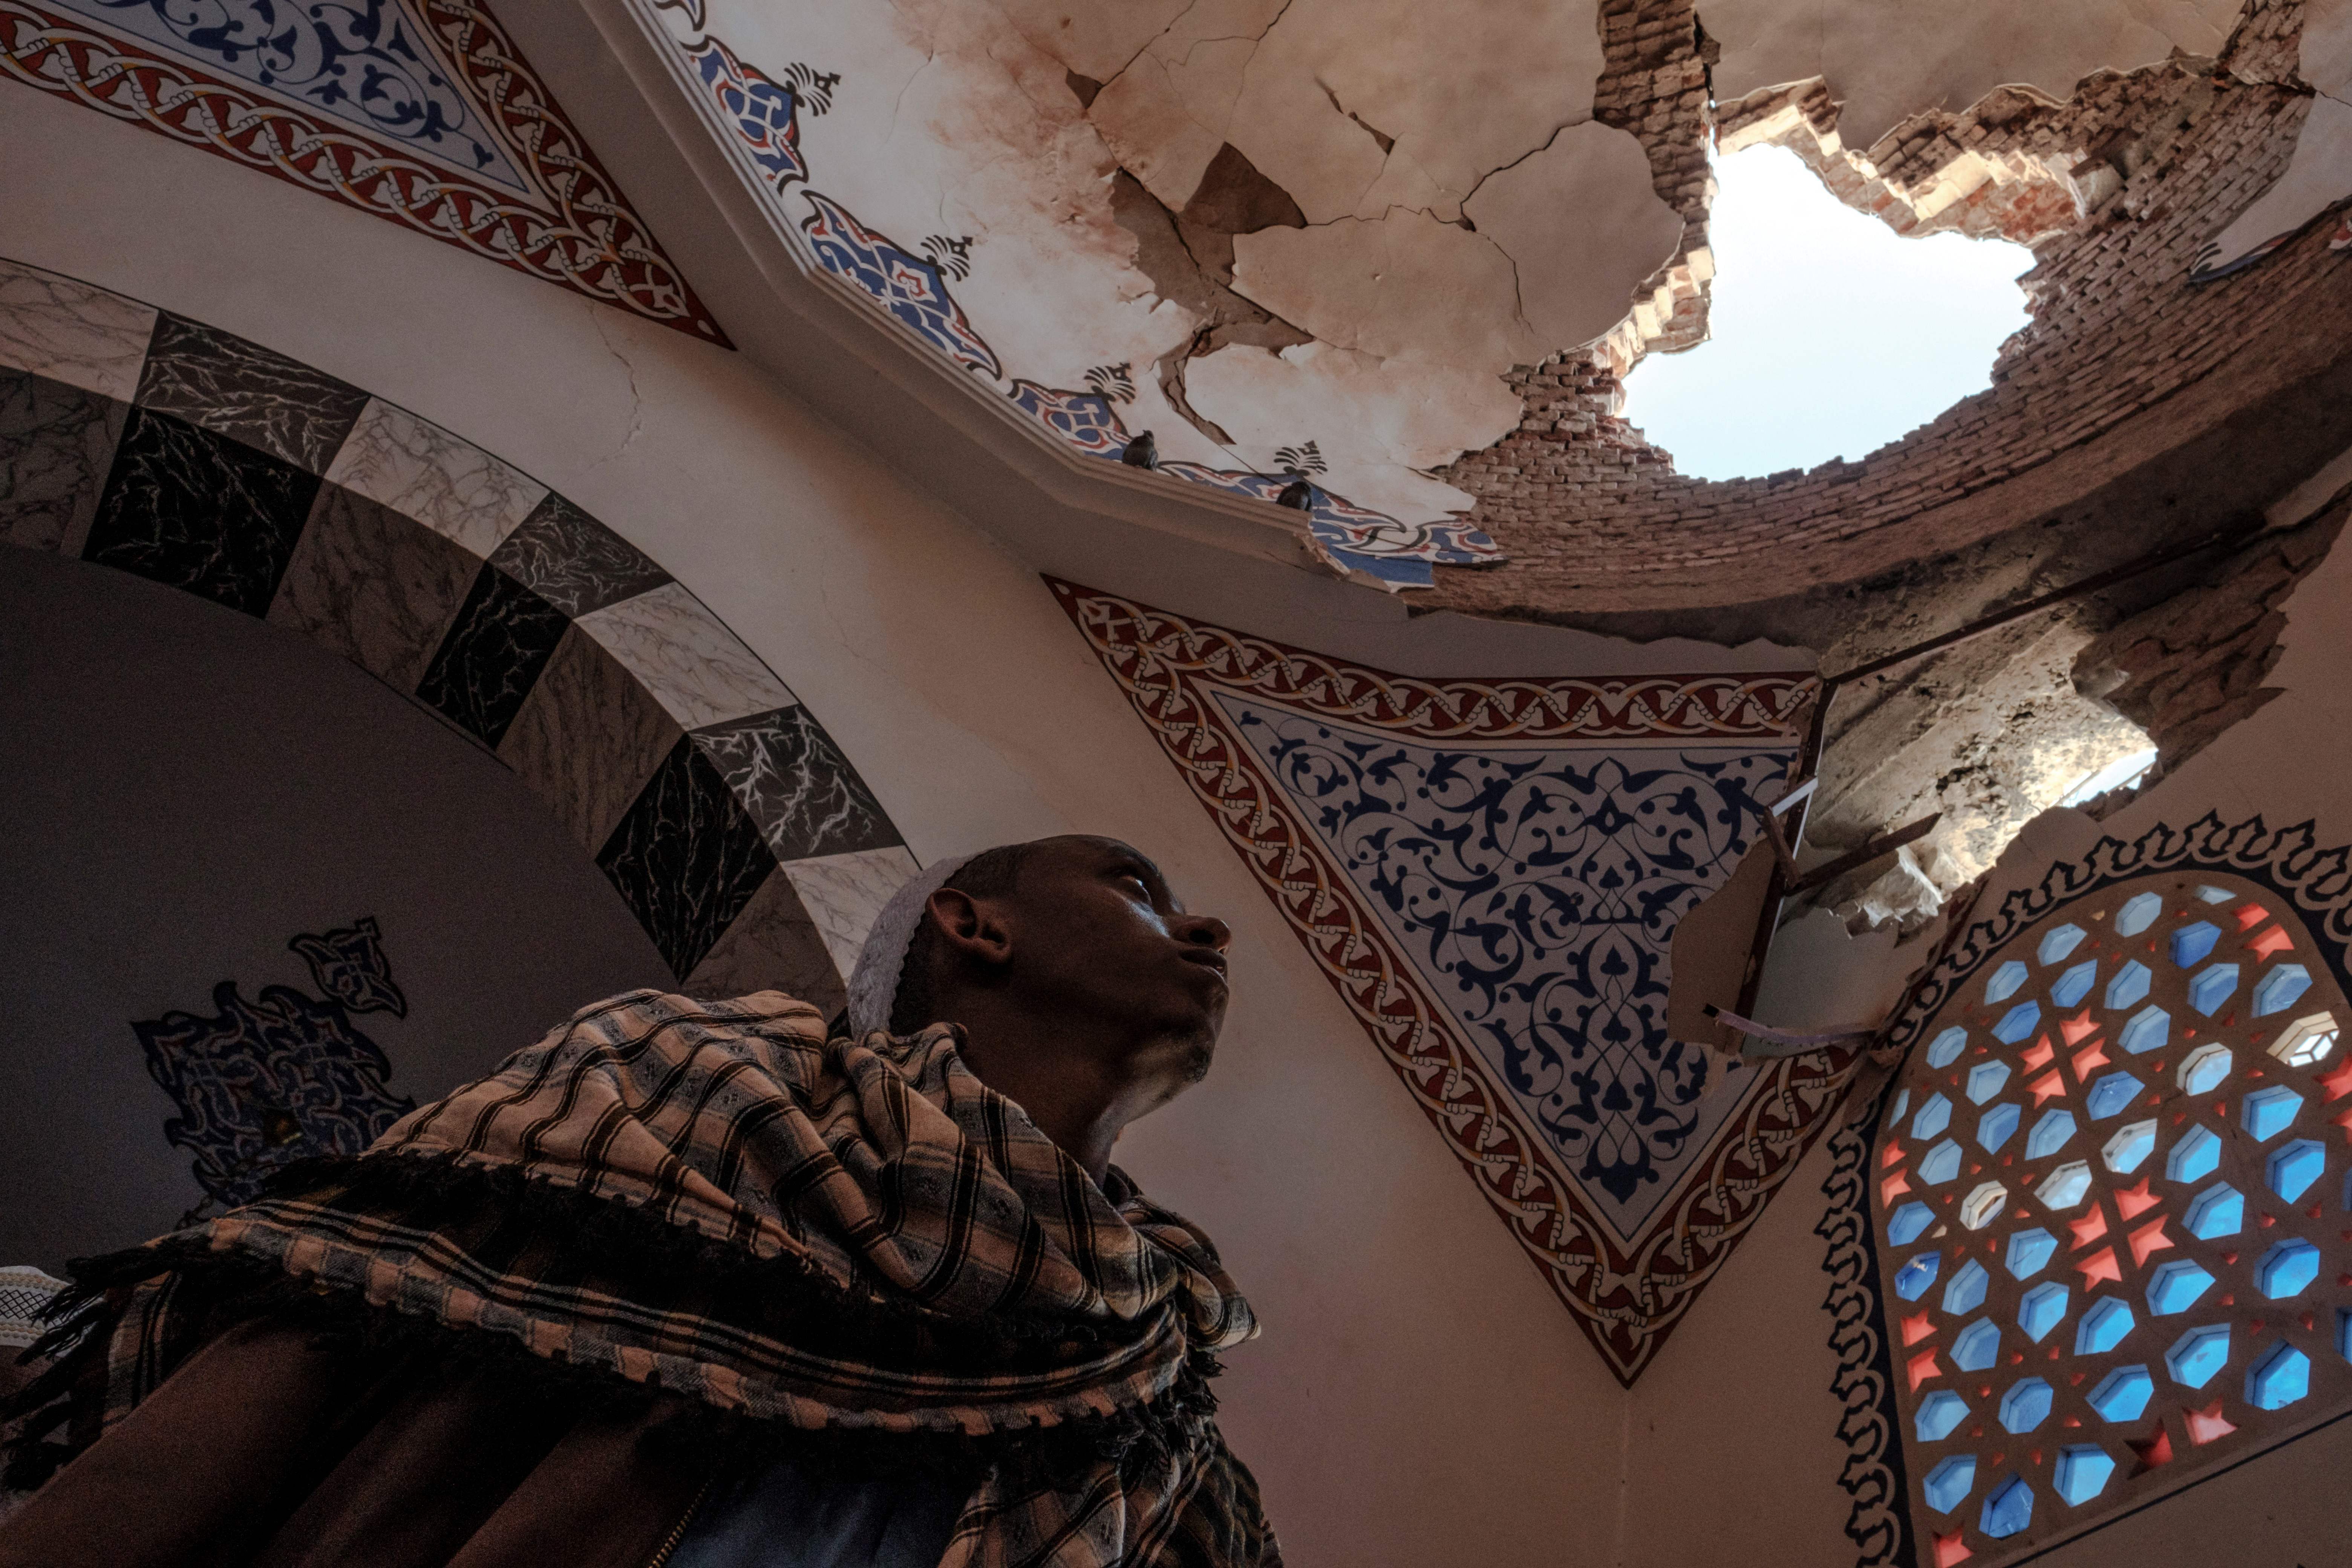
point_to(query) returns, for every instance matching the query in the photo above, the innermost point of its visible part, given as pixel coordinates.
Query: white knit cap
(873, 985)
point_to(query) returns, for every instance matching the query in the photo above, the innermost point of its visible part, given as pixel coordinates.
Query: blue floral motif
(1537, 889)
(348, 963)
(1085, 419)
(764, 112)
(371, 64)
(908, 285)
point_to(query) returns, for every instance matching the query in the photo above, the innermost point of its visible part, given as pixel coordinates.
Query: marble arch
(720, 809)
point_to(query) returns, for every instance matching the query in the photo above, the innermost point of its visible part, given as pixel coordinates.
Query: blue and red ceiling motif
(420, 111)
(1490, 873)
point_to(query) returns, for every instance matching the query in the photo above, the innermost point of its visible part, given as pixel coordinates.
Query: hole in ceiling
(1832, 335)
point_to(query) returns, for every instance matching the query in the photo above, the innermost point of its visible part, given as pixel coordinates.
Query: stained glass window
(2110, 1194)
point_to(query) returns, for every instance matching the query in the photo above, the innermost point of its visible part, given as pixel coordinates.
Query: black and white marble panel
(491, 656)
(799, 788)
(843, 893)
(449, 484)
(773, 945)
(687, 858)
(587, 739)
(56, 444)
(373, 585)
(241, 390)
(199, 511)
(71, 333)
(686, 656)
(574, 562)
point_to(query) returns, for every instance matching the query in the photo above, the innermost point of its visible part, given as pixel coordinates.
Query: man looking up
(693, 1284)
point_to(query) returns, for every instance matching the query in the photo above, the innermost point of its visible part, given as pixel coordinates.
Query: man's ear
(970, 926)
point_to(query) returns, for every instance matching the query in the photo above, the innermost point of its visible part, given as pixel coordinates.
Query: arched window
(2109, 1197)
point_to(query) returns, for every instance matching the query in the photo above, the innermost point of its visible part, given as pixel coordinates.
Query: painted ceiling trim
(754, 116)
(722, 813)
(426, 117)
(1262, 733)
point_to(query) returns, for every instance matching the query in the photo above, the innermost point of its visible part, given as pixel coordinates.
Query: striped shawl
(797, 1235)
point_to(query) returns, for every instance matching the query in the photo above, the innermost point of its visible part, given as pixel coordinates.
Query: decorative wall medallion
(722, 813)
(1490, 874)
(756, 118)
(2105, 1214)
(284, 1076)
(421, 112)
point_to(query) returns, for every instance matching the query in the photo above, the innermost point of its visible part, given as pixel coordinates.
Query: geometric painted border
(729, 821)
(582, 236)
(1626, 1298)
(2317, 883)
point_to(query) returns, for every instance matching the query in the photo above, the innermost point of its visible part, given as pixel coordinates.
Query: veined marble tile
(241, 390)
(843, 893)
(492, 655)
(57, 445)
(587, 739)
(574, 562)
(417, 469)
(200, 511)
(797, 786)
(72, 332)
(685, 655)
(374, 585)
(686, 858)
(771, 946)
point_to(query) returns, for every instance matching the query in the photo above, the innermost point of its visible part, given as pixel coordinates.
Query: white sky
(1832, 335)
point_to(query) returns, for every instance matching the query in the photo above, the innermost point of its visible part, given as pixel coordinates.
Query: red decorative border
(590, 243)
(1626, 1301)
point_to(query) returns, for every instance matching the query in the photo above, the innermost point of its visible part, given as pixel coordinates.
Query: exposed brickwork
(2153, 161)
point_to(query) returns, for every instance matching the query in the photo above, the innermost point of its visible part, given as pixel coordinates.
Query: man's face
(1096, 930)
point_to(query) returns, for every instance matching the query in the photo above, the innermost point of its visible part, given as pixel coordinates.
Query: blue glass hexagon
(2002, 984)
(2191, 944)
(2147, 1031)
(2279, 1377)
(2205, 1069)
(2056, 943)
(1932, 1118)
(1978, 1346)
(1906, 1224)
(2293, 1167)
(1946, 1049)
(1938, 1414)
(2219, 1210)
(2040, 1309)
(2197, 1355)
(2280, 987)
(2287, 1268)
(1965, 1291)
(2111, 1094)
(2174, 1287)
(2075, 984)
(2213, 894)
(1994, 1127)
(1985, 1080)
(2213, 986)
(2050, 1133)
(2017, 1022)
(2105, 1324)
(1948, 1484)
(1940, 1164)
(2138, 914)
(2267, 1112)
(2029, 1251)
(2009, 1510)
(2122, 1394)
(2129, 1148)
(2026, 1405)
(2129, 987)
(1911, 1280)
(2195, 1157)
(2083, 1473)
(2063, 1188)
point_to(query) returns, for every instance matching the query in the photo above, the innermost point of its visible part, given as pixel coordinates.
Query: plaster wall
(1418, 1397)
